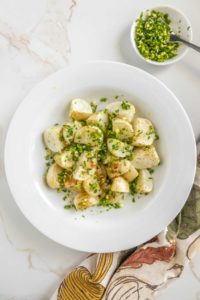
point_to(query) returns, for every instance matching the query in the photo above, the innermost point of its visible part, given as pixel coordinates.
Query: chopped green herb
(61, 138)
(116, 97)
(125, 105)
(94, 186)
(96, 136)
(93, 106)
(104, 99)
(188, 28)
(68, 206)
(62, 177)
(49, 157)
(102, 152)
(132, 187)
(69, 130)
(151, 171)
(152, 37)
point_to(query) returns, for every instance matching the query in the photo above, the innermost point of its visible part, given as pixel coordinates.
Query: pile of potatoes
(129, 154)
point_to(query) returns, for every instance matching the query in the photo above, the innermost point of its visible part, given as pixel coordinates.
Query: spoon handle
(195, 47)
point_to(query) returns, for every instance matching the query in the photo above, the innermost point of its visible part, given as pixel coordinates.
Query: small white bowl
(179, 24)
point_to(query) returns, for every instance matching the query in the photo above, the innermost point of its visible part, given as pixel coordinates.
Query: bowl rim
(169, 61)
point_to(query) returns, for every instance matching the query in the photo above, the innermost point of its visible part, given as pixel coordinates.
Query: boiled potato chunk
(52, 176)
(120, 185)
(85, 167)
(98, 119)
(144, 183)
(89, 135)
(144, 133)
(118, 167)
(122, 128)
(92, 187)
(145, 157)
(64, 159)
(73, 185)
(121, 109)
(80, 109)
(109, 158)
(69, 130)
(52, 138)
(83, 201)
(118, 148)
(131, 174)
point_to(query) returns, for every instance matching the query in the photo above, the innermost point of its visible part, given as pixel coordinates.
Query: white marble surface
(37, 37)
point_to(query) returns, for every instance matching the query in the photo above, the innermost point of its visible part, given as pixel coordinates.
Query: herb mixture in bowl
(152, 36)
(102, 155)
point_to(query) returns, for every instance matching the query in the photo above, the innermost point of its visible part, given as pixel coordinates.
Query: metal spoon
(175, 38)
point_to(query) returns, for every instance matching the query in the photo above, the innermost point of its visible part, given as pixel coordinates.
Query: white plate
(92, 230)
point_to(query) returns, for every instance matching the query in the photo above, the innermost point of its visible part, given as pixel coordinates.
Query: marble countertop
(38, 37)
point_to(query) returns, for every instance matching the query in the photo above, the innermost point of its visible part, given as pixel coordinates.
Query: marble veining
(48, 41)
(34, 260)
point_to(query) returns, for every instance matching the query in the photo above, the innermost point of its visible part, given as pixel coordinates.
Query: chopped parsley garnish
(132, 187)
(106, 203)
(96, 136)
(49, 157)
(125, 105)
(68, 206)
(102, 152)
(151, 171)
(61, 136)
(62, 177)
(69, 130)
(152, 36)
(93, 106)
(104, 99)
(94, 186)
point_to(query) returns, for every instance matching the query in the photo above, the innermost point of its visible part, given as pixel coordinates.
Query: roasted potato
(145, 157)
(83, 200)
(89, 135)
(64, 159)
(53, 138)
(144, 132)
(120, 185)
(118, 148)
(99, 119)
(80, 109)
(52, 176)
(122, 128)
(92, 186)
(85, 167)
(118, 167)
(121, 109)
(144, 183)
(131, 174)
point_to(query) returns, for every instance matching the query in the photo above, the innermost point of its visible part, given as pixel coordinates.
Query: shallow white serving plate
(94, 230)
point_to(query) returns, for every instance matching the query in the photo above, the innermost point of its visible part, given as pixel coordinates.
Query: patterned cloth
(142, 272)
